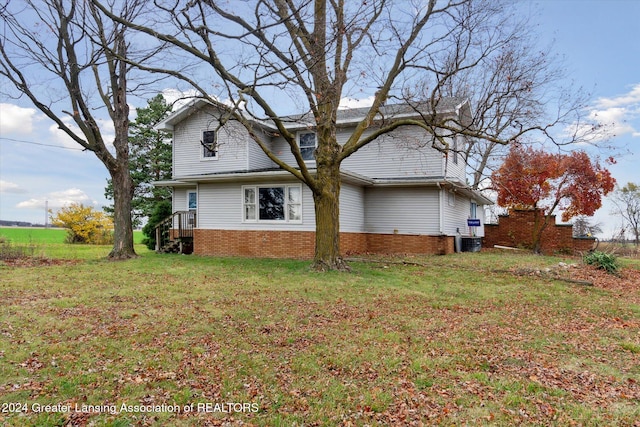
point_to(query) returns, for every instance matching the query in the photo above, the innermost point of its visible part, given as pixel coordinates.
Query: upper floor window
(277, 203)
(307, 144)
(209, 145)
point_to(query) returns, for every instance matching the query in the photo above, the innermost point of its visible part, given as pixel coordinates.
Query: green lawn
(44, 235)
(33, 235)
(49, 242)
(456, 341)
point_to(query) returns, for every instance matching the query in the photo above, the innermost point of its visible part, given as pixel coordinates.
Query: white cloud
(58, 199)
(14, 119)
(614, 120)
(631, 98)
(616, 116)
(178, 98)
(60, 137)
(10, 187)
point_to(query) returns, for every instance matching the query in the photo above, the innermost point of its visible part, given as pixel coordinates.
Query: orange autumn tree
(539, 180)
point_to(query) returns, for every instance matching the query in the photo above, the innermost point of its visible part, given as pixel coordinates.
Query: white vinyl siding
(455, 217)
(221, 207)
(352, 211)
(456, 170)
(404, 153)
(179, 199)
(413, 210)
(231, 141)
(282, 149)
(257, 159)
(401, 154)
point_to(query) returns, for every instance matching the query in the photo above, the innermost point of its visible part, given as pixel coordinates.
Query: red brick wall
(409, 244)
(301, 244)
(250, 243)
(517, 228)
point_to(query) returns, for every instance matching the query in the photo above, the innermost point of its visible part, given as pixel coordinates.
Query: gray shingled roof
(347, 115)
(350, 115)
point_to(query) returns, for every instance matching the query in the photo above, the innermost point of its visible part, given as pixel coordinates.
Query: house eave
(262, 175)
(172, 183)
(348, 177)
(433, 181)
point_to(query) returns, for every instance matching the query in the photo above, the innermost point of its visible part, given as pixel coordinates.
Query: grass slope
(458, 342)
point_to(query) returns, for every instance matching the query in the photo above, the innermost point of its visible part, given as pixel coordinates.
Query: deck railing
(178, 226)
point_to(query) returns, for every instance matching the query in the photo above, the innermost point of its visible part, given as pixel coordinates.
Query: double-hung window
(272, 203)
(307, 144)
(209, 145)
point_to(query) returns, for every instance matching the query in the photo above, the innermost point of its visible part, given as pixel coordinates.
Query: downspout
(441, 208)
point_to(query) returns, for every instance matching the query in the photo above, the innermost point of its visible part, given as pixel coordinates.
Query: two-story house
(398, 193)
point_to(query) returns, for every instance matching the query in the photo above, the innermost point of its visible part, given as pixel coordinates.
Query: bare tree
(627, 205)
(582, 226)
(312, 53)
(69, 63)
(517, 85)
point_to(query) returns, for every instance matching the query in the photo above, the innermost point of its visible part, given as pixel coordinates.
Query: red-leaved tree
(539, 180)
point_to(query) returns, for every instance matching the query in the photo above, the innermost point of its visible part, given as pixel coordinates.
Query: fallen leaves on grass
(39, 262)
(435, 353)
(627, 279)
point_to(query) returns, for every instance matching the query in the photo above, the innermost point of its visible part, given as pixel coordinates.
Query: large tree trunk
(120, 174)
(123, 225)
(327, 254)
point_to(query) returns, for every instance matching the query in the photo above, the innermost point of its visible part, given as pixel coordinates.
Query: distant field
(49, 243)
(28, 235)
(621, 249)
(33, 235)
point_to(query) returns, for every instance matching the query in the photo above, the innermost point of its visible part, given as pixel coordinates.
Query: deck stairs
(174, 234)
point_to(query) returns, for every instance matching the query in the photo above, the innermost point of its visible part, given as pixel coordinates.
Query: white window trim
(256, 203)
(313, 160)
(201, 146)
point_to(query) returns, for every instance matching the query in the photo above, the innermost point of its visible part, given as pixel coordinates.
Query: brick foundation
(516, 230)
(409, 244)
(301, 244)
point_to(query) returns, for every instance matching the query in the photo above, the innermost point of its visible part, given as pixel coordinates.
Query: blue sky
(599, 41)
